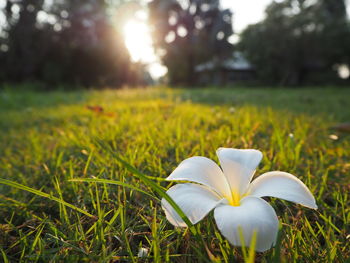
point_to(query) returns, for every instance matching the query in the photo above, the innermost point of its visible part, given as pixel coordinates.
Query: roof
(236, 62)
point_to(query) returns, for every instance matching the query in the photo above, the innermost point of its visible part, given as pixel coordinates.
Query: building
(232, 70)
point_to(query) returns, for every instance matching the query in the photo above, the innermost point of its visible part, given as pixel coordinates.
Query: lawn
(49, 138)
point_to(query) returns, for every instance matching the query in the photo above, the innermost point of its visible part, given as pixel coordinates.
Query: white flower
(143, 252)
(239, 208)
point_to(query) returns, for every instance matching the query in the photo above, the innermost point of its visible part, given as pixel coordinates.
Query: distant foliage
(187, 33)
(64, 42)
(299, 42)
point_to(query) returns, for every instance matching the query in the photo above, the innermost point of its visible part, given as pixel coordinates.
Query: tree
(64, 42)
(24, 48)
(94, 50)
(189, 32)
(298, 41)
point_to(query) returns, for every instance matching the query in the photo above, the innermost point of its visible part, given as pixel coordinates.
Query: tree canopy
(78, 42)
(299, 42)
(70, 42)
(187, 33)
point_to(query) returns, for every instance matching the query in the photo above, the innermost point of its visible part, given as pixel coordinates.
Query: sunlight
(139, 43)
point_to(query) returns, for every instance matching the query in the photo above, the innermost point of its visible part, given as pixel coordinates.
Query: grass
(48, 139)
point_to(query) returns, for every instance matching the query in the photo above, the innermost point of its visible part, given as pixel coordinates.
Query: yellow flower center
(235, 198)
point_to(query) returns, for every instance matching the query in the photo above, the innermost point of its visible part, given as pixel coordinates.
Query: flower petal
(239, 166)
(196, 202)
(282, 185)
(253, 215)
(203, 171)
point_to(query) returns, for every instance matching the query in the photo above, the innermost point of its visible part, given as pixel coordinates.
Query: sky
(245, 12)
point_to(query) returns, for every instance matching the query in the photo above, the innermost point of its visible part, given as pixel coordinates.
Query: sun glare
(139, 43)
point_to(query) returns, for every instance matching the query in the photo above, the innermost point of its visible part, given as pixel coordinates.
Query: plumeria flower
(238, 207)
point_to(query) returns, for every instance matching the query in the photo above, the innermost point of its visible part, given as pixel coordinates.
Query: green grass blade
(155, 187)
(106, 181)
(251, 253)
(276, 256)
(4, 256)
(243, 247)
(42, 194)
(39, 229)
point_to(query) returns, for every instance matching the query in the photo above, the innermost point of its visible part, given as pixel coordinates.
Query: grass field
(47, 139)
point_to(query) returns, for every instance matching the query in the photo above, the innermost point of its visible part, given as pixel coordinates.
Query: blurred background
(116, 43)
